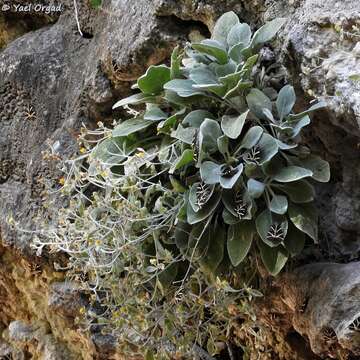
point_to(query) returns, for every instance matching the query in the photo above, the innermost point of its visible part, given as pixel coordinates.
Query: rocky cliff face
(52, 80)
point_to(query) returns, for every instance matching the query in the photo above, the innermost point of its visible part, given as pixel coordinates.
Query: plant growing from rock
(228, 145)
(206, 174)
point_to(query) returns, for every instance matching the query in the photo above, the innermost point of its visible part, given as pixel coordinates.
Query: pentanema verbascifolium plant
(227, 144)
(169, 211)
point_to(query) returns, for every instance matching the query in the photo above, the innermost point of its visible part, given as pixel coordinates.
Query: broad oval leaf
(279, 204)
(304, 217)
(196, 117)
(292, 173)
(210, 172)
(209, 133)
(257, 102)
(255, 188)
(274, 259)
(154, 113)
(223, 26)
(252, 137)
(294, 241)
(239, 241)
(214, 49)
(228, 182)
(232, 125)
(240, 33)
(195, 217)
(185, 135)
(299, 191)
(135, 99)
(285, 101)
(153, 80)
(131, 126)
(268, 148)
(263, 223)
(199, 195)
(317, 106)
(223, 144)
(183, 88)
(267, 32)
(215, 248)
(236, 52)
(319, 167)
(186, 157)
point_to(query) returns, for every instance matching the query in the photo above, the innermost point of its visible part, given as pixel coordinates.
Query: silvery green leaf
(216, 237)
(196, 117)
(274, 259)
(185, 135)
(223, 144)
(231, 80)
(267, 32)
(217, 89)
(229, 182)
(304, 217)
(176, 58)
(285, 101)
(249, 64)
(214, 49)
(225, 69)
(130, 126)
(292, 173)
(205, 79)
(294, 241)
(232, 125)
(223, 26)
(195, 217)
(134, 100)
(284, 146)
(279, 204)
(210, 172)
(239, 33)
(304, 121)
(236, 52)
(239, 241)
(209, 132)
(319, 167)
(229, 218)
(186, 157)
(251, 137)
(299, 191)
(257, 101)
(239, 88)
(183, 88)
(269, 115)
(154, 113)
(317, 106)
(153, 80)
(112, 151)
(268, 148)
(255, 188)
(193, 196)
(166, 125)
(230, 204)
(263, 223)
(203, 75)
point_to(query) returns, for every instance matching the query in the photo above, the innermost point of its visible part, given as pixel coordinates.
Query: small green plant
(234, 157)
(170, 209)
